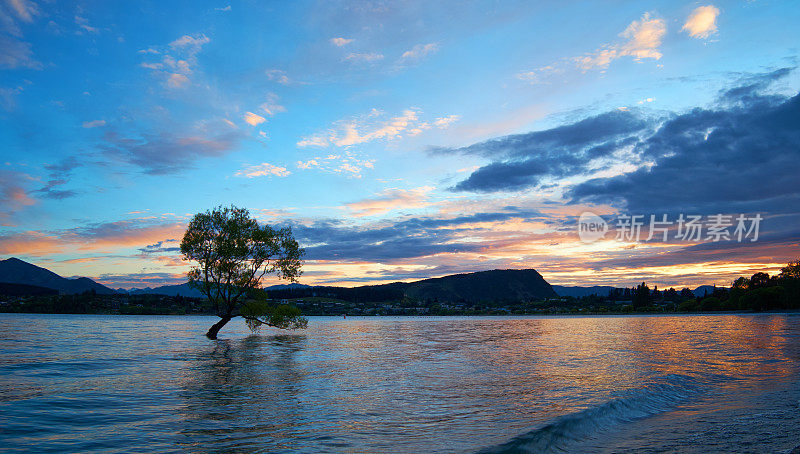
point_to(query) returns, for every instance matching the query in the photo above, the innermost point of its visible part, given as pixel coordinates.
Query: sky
(405, 140)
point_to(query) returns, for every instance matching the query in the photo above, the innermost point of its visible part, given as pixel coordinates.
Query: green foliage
(689, 305)
(284, 316)
(711, 304)
(790, 271)
(233, 253)
(642, 296)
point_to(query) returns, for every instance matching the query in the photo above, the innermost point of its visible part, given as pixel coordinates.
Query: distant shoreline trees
(233, 253)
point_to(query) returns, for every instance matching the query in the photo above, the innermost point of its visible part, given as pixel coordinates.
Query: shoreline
(554, 314)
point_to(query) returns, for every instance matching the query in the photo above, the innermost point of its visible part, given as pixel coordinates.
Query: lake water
(91, 383)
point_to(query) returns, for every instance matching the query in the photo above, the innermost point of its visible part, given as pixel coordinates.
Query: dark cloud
(525, 160)
(522, 173)
(159, 248)
(580, 135)
(416, 237)
(751, 87)
(159, 154)
(60, 174)
(742, 156)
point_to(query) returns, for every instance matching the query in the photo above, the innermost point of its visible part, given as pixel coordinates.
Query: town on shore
(495, 292)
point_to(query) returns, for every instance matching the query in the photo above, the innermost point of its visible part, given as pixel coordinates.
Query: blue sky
(352, 120)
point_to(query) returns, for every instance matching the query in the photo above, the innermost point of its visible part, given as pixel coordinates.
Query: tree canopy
(233, 254)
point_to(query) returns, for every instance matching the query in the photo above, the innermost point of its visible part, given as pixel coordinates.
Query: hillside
(16, 271)
(494, 286)
(22, 289)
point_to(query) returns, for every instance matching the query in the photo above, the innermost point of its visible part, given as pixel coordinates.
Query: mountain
(701, 291)
(187, 290)
(168, 290)
(16, 271)
(494, 286)
(286, 286)
(577, 292)
(22, 289)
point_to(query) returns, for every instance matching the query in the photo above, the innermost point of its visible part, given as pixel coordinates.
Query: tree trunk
(212, 332)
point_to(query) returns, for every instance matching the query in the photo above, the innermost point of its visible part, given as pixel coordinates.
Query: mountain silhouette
(495, 286)
(16, 271)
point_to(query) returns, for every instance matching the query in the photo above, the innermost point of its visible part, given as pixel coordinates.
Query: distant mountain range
(168, 290)
(20, 277)
(187, 290)
(16, 271)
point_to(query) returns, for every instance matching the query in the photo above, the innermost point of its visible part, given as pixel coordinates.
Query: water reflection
(365, 384)
(237, 393)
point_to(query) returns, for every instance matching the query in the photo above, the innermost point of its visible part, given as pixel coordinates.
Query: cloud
(29, 243)
(279, 76)
(59, 176)
(8, 97)
(702, 22)
(101, 236)
(419, 51)
(83, 24)
(405, 239)
(340, 42)
(16, 54)
(271, 105)
(364, 57)
(388, 200)
(13, 194)
(122, 234)
(159, 247)
(225, 9)
(24, 10)
(262, 170)
(643, 38)
(168, 152)
(313, 141)
(373, 126)
(253, 119)
(190, 41)
(741, 155)
(14, 51)
(346, 163)
(177, 80)
(695, 159)
(178, 60)
(307, 164)
(94, 124)
(531, 159)
(445, 122)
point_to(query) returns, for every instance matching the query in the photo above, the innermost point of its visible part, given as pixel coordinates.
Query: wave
(649, 400)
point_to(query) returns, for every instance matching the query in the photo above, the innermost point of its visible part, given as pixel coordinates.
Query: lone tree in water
(233, 254)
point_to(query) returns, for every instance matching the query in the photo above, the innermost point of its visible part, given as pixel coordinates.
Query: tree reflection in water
(237, 392)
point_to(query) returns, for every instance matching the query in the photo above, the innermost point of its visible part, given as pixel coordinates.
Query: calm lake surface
(92, 383)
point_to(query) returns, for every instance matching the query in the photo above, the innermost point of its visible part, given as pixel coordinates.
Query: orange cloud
(388, 200)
